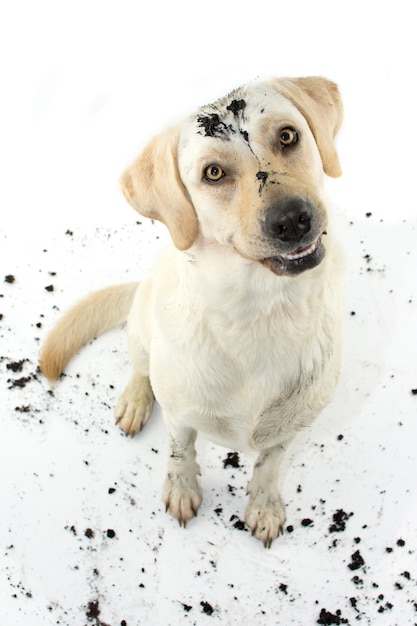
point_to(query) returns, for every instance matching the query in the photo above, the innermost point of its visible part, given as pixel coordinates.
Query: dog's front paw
(182, 496)
(265, 516)
(134, 406)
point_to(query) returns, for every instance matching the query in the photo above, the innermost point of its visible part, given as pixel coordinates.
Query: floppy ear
(319, 101)
(152, 185)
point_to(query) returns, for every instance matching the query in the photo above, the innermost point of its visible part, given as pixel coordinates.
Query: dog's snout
(289, 221)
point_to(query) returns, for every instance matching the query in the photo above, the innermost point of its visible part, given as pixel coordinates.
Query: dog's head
(246, 172)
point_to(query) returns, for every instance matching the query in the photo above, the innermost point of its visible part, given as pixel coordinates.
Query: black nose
(289, 220)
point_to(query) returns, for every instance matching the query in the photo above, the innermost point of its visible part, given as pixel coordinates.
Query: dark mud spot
(207, 608)
(20, 382)
(23, 409)
(93, 610)
(329, 618)
(17, 366)
(236, 106)
(238, 523)
(262, 176)
(339, 521)
(214, 127)
(232, 460)
(357, 561)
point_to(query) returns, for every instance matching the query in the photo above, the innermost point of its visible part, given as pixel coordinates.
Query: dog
(236, 330)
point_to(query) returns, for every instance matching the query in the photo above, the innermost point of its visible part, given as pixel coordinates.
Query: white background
(83, 86)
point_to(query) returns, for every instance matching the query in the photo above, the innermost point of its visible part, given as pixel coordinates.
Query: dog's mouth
(297, 261)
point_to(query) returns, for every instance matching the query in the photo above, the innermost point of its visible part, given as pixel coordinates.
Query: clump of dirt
(20, 382)
(93, 610)
(329, 618)
(207, 608)
(238, 523)
(339, 521)
(16, 366)
(307, 522)
(357, 561)
(232, 460)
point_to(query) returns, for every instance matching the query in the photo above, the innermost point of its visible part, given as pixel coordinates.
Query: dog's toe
(133, 409)
(182, 498)
(265, 518)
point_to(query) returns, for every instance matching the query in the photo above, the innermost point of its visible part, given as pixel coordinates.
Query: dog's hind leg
(182, 493)
(265, 512)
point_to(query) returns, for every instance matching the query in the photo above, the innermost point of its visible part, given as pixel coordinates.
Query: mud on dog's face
(247, 172)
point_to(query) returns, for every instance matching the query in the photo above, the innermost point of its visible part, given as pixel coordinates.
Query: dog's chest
(223, 351)
(225, 376)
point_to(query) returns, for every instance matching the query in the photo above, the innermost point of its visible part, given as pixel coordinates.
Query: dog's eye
(213, 173)
(288, 137)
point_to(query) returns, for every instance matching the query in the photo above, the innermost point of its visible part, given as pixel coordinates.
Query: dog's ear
(319, 101)
(152, 185)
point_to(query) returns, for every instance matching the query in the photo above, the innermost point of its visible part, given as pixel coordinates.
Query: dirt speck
(307, 522)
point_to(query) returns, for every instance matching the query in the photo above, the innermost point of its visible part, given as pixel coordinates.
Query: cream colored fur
(230, 341)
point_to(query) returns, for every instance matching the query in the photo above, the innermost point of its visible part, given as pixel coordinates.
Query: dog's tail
(91, 317)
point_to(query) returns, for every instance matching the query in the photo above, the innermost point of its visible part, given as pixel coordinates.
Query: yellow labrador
(236, 330)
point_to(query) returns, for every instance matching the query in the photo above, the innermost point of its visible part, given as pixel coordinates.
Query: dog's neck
(236, 286)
